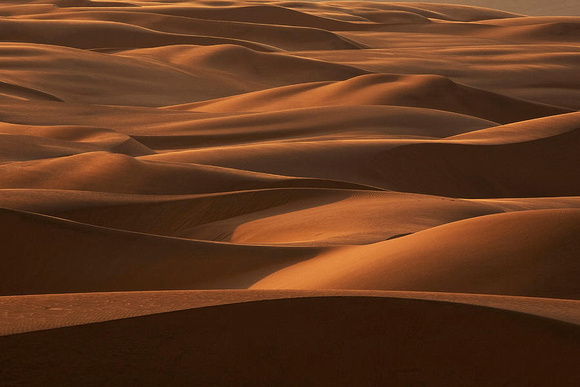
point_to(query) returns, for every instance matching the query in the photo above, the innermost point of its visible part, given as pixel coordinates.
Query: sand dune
(522, 131)
(81, 138)
(420, 91)
(277, 36)
(528, 7)
(304, 340)
(259, 14)
(320, 123)
(224, 192)
(138, 83)
(537, 257)
(119, 118)
(540, 72)
(123, 81)
(550, 29)
(103, 35)
(106, 172)
(348, 160)
(291, 216)
(435, 167)
(102, 259)
(543, 167)
(54, 201)
(49, 311)
(440, 12)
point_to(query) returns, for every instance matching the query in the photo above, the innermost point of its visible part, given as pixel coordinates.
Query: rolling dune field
(289, 193)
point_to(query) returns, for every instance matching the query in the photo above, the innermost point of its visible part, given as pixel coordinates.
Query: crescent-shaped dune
(289, 193)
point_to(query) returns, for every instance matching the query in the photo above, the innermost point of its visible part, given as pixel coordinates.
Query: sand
(341, 193)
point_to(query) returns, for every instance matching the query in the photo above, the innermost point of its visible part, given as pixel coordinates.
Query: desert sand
(292, 193)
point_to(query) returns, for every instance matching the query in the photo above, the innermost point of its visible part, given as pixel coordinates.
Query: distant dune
(527, 7)
(291, 193)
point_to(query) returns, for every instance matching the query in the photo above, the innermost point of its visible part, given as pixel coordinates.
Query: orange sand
(229, 193)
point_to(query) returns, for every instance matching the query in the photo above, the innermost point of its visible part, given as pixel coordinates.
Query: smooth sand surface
(289, 193)
(374, 340)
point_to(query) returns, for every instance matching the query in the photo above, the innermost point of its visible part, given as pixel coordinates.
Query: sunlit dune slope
(532, 253)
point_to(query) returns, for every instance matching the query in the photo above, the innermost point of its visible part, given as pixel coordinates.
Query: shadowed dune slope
(88, 34)
(304, 341)
(30, 313)
(65, 257)
(542, 167)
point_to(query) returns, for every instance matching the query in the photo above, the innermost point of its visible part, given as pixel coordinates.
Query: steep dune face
(289, 193)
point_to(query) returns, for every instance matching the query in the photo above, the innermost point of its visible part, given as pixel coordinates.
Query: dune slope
(304, 340)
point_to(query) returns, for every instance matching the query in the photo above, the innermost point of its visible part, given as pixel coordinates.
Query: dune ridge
(284, 193)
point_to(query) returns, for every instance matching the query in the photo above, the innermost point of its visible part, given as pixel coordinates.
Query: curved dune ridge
(289, 193)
